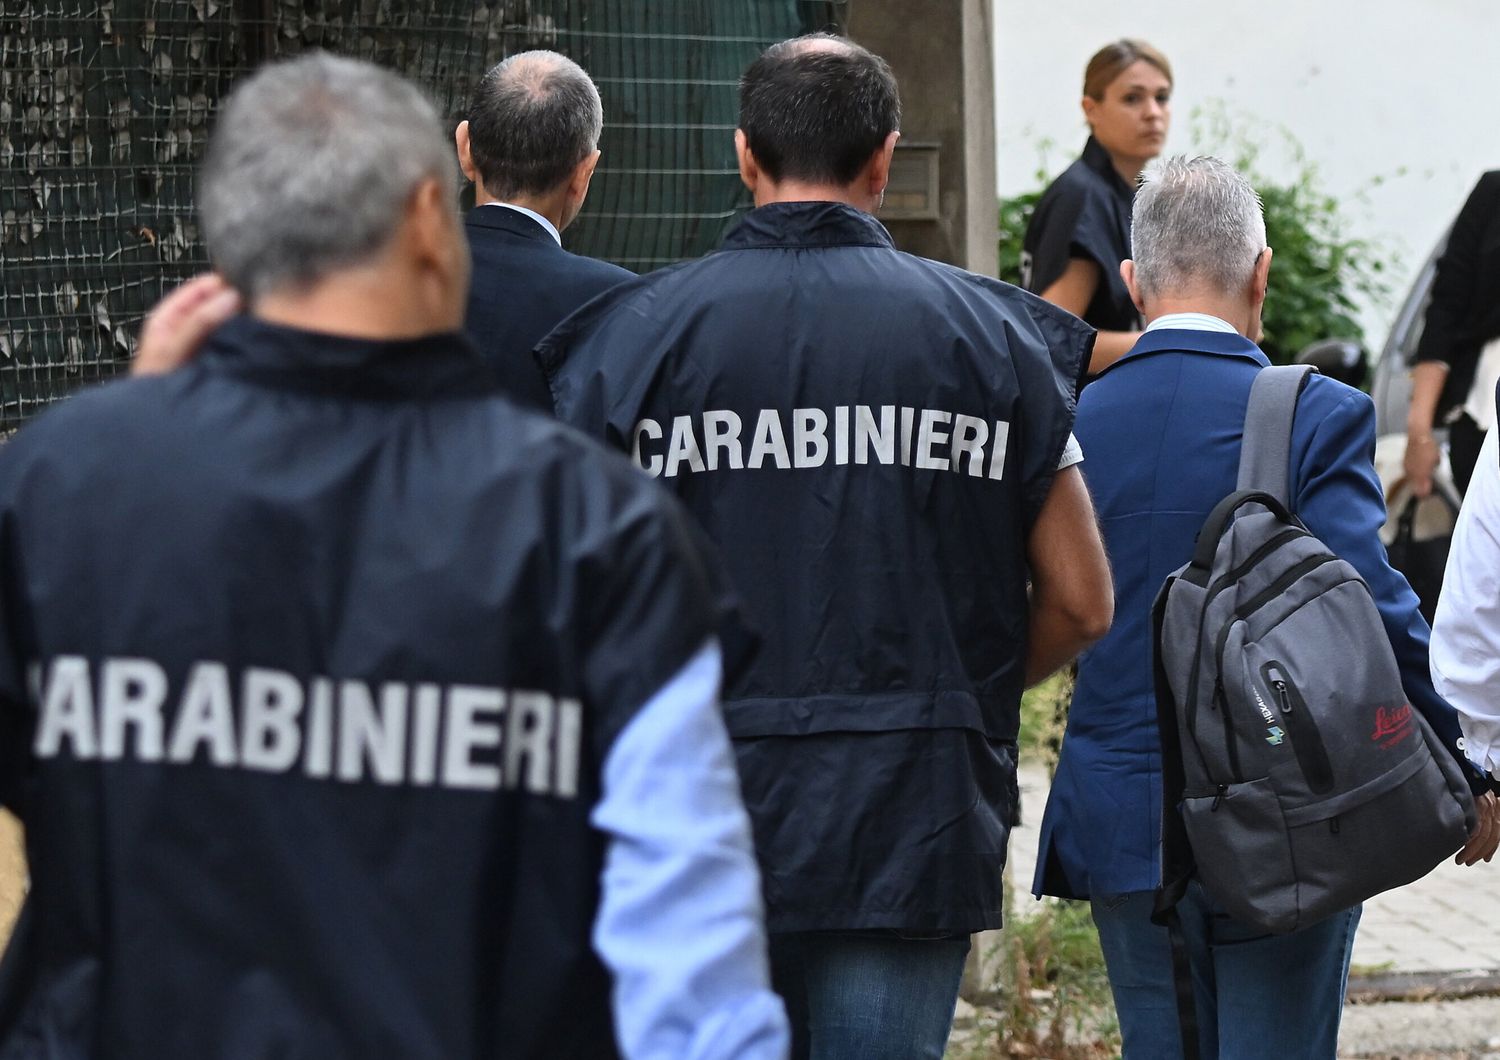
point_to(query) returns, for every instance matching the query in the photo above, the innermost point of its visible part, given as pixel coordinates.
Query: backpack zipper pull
(1281, 694)
(1218, 798)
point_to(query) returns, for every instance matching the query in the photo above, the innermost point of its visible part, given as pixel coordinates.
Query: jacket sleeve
(1447, 334)
(680, 923)
(1050, 357)
(1466, 629)
(1072, 224)
(1049, 236)
(649, 588)
(1340, 500)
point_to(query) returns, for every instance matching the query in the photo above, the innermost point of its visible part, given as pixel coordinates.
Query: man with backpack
(1163, 430)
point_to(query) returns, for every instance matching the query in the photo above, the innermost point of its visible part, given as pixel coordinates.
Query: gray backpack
(1298, 778)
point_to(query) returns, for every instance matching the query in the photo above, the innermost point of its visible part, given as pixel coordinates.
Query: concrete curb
(1423, 986)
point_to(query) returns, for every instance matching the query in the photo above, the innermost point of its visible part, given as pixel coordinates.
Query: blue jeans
(867, 995)
(1258, 996)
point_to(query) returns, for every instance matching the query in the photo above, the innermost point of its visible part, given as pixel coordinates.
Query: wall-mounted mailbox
(912, 194)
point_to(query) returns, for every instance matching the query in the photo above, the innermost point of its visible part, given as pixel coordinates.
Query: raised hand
(181, 321)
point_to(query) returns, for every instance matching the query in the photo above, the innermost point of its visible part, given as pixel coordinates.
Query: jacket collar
(1097, 158)
(1185, 340)
(433, 366)
(499, 219)
(807, 224)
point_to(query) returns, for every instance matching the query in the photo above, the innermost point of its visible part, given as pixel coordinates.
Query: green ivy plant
(1319, 269)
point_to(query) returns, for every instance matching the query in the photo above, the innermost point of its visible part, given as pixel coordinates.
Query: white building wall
(1405, 90)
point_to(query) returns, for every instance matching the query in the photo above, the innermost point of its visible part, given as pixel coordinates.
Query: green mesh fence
(105, 109)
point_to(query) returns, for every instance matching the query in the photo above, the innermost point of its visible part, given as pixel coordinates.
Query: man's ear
(435, 252)
(429, 224)
(749, 170)
(1260, 277)
(465, 152)
(578, 183)
(879, 172)
(1127, 273)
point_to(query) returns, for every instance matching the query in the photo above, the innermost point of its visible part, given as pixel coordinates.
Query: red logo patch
(1392, 725)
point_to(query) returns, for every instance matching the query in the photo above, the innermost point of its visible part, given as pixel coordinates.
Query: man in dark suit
(530, 146)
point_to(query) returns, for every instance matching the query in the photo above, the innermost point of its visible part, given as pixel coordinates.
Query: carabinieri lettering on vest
(452, 736)
(927, 438)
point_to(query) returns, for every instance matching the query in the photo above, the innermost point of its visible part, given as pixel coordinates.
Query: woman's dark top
(1464, 313)
(1085, 213)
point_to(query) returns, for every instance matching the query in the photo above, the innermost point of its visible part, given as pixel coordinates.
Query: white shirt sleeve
(1072, 453)
(680, 924)
(1466, 629)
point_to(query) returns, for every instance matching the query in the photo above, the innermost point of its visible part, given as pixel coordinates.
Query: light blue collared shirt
(538, 218)
(1192, 322)
(680, 924)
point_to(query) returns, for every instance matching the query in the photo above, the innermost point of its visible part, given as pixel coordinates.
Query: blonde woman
(1080, 231)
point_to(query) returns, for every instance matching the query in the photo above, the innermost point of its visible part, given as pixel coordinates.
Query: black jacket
(265, 628)
(523, 285)
(868, 437)
(1464, 313)
(1085, 213)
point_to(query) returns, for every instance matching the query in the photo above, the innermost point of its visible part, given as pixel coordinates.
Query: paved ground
(1468, 1028)
(1448, 922)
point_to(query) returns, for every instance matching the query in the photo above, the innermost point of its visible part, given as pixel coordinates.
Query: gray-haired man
(395, 733)
(1198, 274)
(530, 146)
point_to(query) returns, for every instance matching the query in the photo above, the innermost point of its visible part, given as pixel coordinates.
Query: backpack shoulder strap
(1266, 452)
(1176, 864)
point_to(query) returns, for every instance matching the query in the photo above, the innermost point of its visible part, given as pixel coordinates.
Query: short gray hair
(534, 117)
(1197, 224)
(310, 168)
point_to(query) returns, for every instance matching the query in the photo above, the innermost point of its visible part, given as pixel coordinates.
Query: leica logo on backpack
(1393, 725)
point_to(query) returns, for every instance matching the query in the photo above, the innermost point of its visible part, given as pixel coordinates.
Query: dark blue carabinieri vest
(867, 436)
(310, 654)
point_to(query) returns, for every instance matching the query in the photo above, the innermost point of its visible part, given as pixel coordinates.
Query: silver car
(1417, 542)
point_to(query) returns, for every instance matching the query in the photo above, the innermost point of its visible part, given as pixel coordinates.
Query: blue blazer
(524, 285)
(1161, 434)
